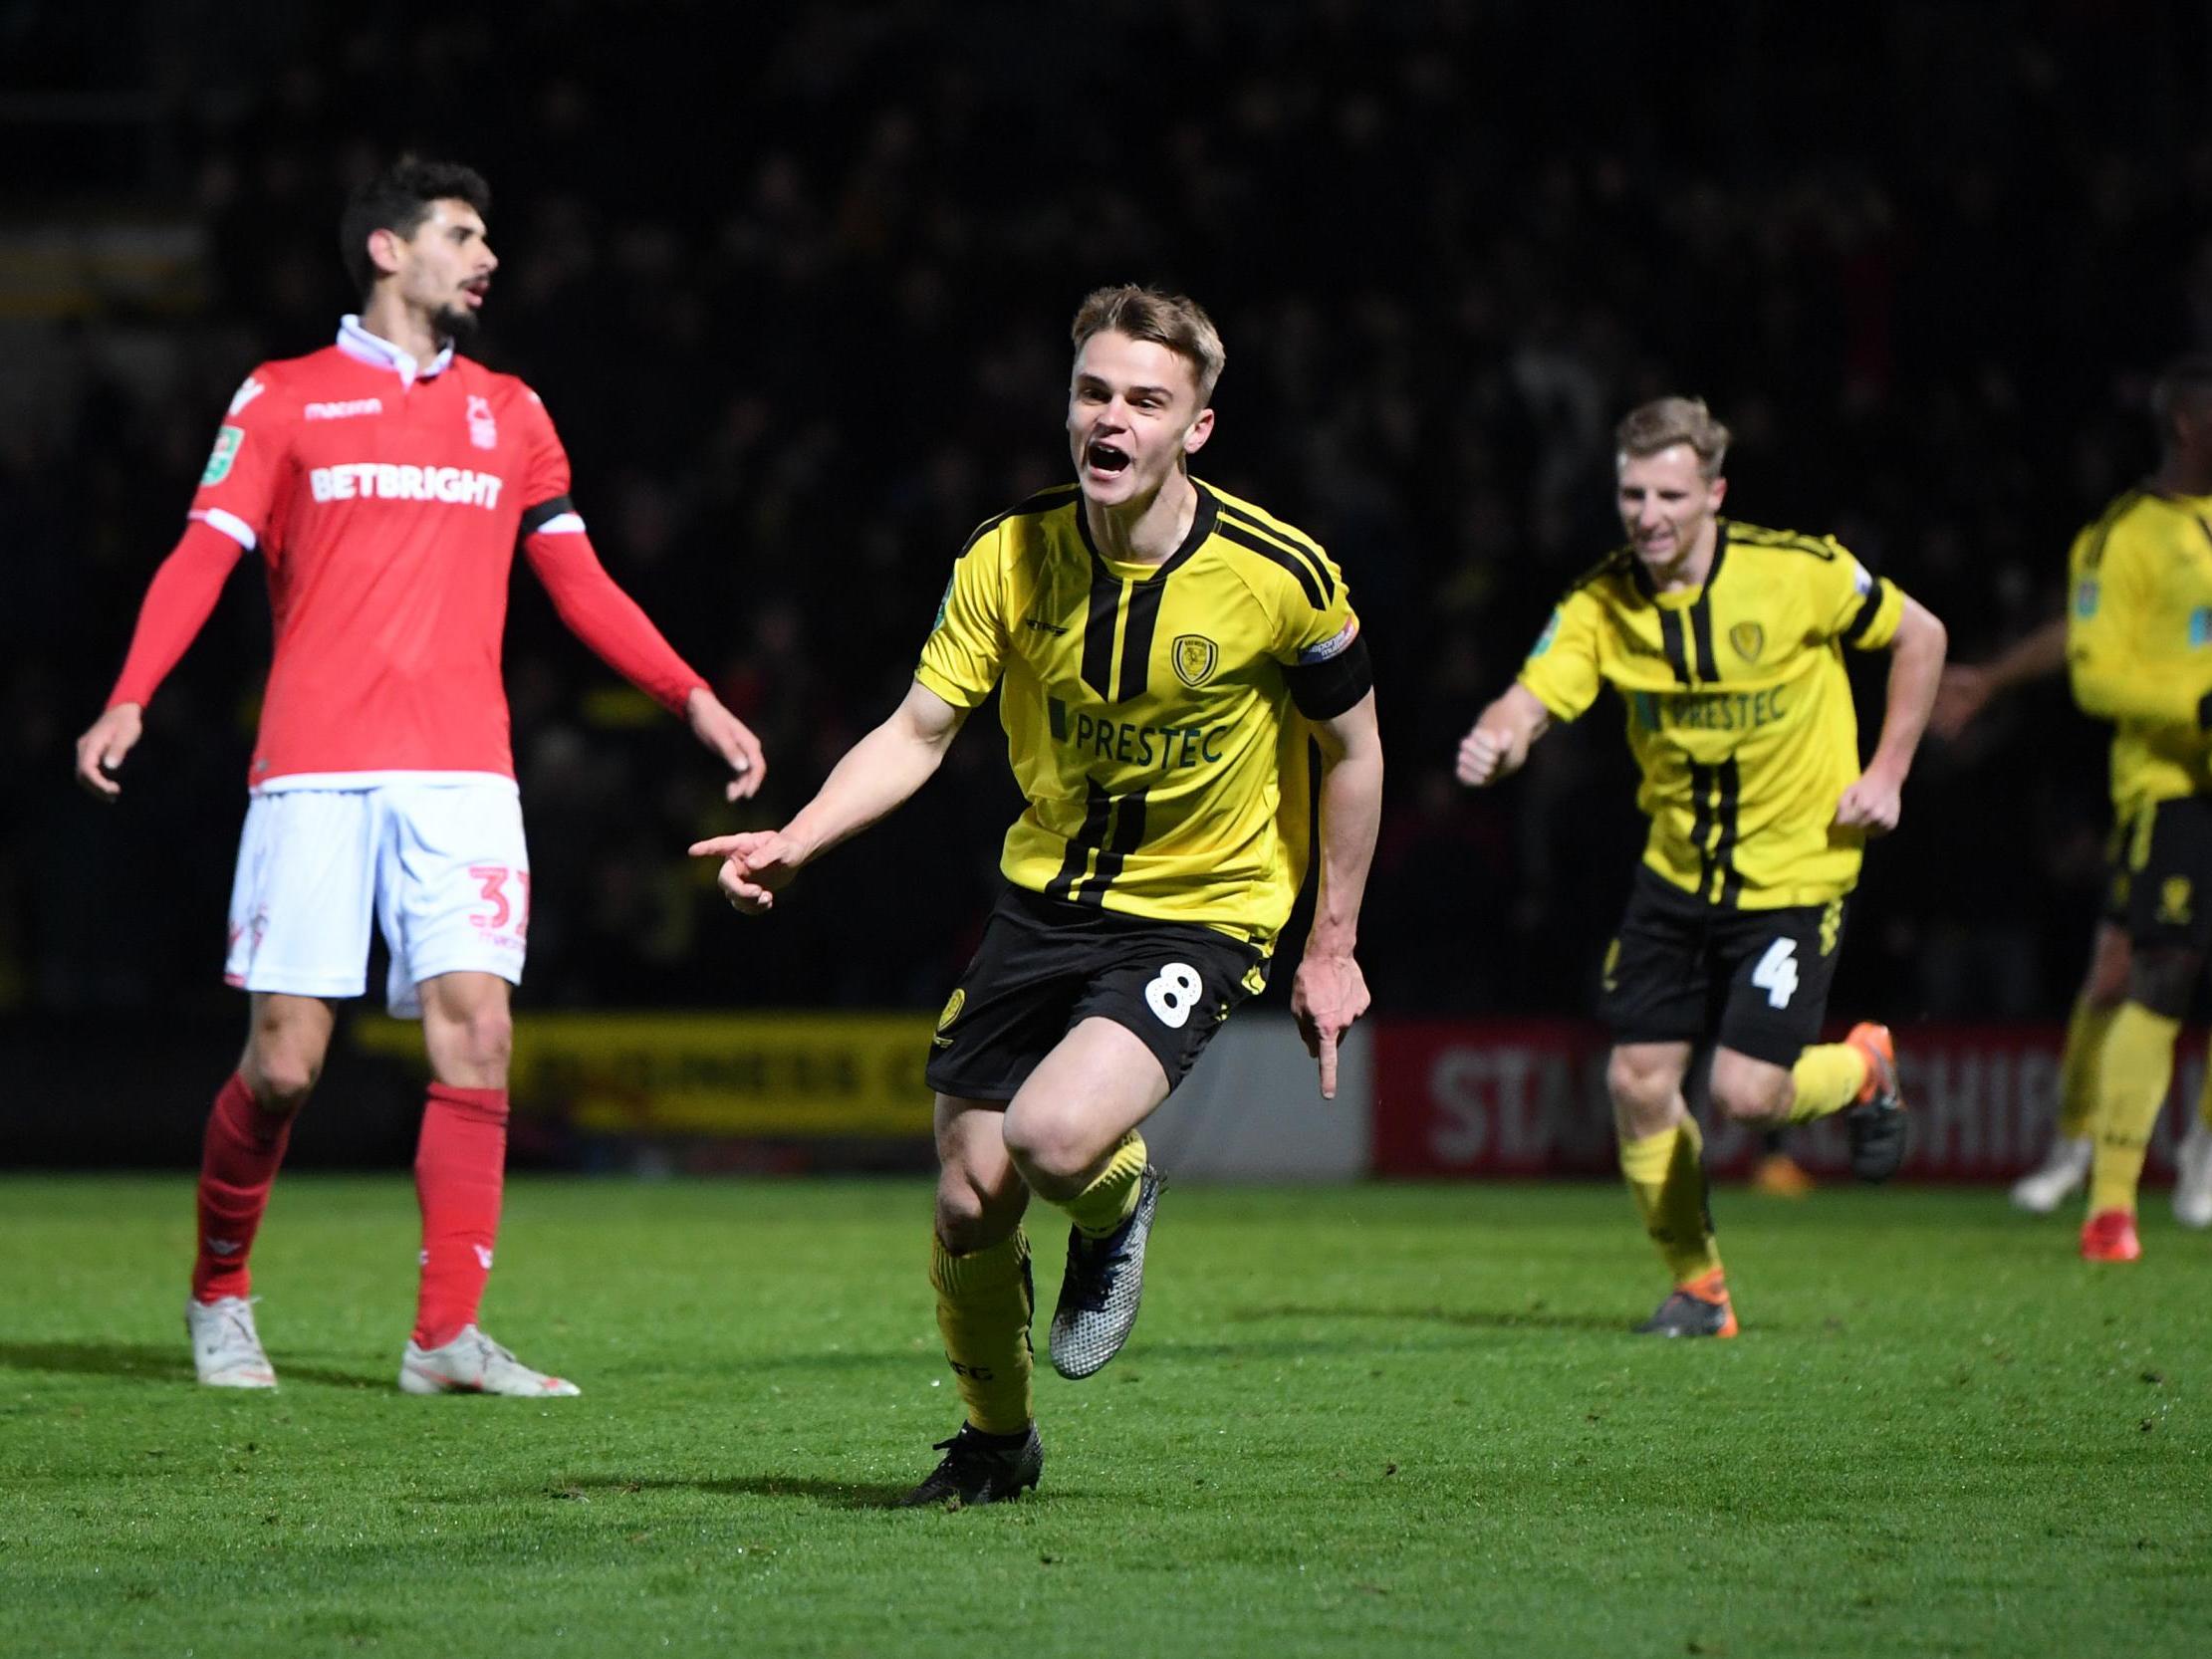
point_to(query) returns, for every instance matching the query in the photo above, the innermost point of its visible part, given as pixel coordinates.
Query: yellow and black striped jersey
(2139, 641)
(1149, 708)
(1740, 713)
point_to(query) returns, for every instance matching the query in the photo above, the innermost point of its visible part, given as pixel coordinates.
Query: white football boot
(2192, 1180)
(472, 1363)
(2061, 1173)
(226, 1349)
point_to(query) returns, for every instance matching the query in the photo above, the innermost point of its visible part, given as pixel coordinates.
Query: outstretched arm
(1915, 667)
(1498, 746)
(1330, 992)
(876, 774)
(1968, 688)
(177, 604)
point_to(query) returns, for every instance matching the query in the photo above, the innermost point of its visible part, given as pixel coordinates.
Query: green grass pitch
(1381, 1420)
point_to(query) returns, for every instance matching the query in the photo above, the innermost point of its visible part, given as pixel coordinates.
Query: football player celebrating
(1726, 641)
(1162, 653)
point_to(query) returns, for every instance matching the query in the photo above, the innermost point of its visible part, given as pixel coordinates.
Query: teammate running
(1725, 641)
(2137, 630)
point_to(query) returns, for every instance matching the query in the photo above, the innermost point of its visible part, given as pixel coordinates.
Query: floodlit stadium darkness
(795, 282)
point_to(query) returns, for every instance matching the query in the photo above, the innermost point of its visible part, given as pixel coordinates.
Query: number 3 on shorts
(1174, 994)
(1776, 973)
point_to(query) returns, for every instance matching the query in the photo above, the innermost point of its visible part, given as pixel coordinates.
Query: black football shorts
(1047, 963)
(1681, 970)
(2169, 876)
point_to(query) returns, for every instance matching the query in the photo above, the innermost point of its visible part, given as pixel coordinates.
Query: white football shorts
(438, 859)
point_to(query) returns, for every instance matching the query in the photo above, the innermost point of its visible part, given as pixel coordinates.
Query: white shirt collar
(379, 352)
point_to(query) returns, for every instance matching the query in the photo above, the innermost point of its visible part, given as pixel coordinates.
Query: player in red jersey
(386, 481)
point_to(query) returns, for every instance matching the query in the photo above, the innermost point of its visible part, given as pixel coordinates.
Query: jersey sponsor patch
(228, 441)
(377, 480)
(1550, 633)
(344, 411)
(1333, 646)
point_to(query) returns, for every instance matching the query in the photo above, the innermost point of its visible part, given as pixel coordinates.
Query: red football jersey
(386, 499)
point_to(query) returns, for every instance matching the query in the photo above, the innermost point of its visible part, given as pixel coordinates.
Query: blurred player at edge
(1725, 642)
(1163, 653)
(385, 480)
(2139, 654)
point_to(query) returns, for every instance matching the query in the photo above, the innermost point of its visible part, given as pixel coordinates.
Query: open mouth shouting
(1103, 460)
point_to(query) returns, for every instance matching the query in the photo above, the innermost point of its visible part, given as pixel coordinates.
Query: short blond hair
(1666, 422)
(1172, 319)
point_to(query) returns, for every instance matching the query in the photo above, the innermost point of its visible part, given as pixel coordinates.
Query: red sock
(238, 1164)
(458, 1165)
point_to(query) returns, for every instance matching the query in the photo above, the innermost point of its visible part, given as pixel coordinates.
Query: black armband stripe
(534, 517)
(1324, 690)
(1266, 549)
(1868, 608)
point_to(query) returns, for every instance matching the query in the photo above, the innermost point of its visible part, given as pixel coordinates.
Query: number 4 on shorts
(1776, 973)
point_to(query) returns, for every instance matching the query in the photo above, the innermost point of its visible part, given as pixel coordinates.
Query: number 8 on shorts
(1174, 992)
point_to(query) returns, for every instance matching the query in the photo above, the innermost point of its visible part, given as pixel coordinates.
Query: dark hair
(2184, 382)
(399, 199)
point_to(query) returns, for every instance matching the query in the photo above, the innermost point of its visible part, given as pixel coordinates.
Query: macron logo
(246, 394)
(376, 481)
(345, 410)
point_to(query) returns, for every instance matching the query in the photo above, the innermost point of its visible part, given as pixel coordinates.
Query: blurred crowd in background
(795, 283)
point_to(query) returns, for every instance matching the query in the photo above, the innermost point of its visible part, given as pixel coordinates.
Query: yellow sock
(1106, 1204)
(1829, 1076)
(2085, 1041)
(984, 1300)
(2133, 1072)
(1666, 1177)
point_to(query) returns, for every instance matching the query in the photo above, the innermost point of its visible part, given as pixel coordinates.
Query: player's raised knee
(1054, 1151)
(1747, 1099)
